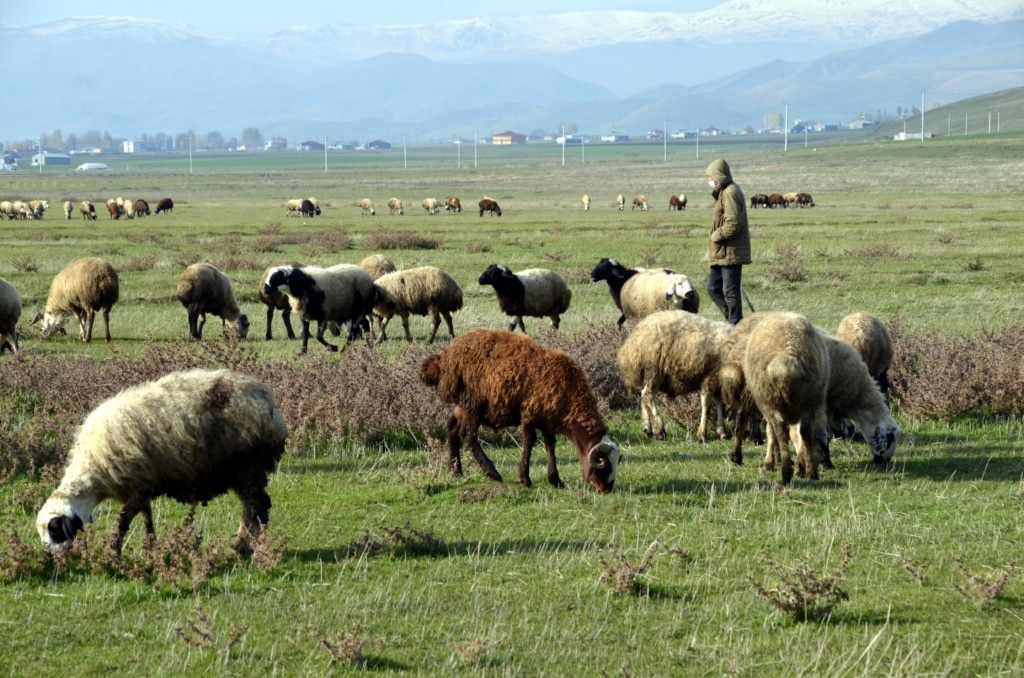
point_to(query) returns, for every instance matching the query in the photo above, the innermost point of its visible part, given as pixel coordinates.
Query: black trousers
(724, 290)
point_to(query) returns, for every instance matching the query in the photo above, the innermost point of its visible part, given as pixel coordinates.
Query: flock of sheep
(116, 208)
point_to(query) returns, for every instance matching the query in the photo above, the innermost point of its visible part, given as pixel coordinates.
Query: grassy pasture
(929, 231)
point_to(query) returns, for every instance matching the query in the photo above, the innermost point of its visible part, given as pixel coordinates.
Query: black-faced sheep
(395, 205)
(639, 292)
(677, 202)
(426, 290)
(191, 436)
(452, 204)
(165, 205)
(68, 208)
(430, 206)
(10, 313)
(340, 294)
(870, 337)
(639, 200)
(277, 300)
(141, 208)
(88, 210)
(316, 206)
(366, 207)
(489, 205)
(81, 288)
(377, 265)
(586, 202)
(675, 353)
(202, 289)
(785, 372)
(759, 200)
(535, 292)
(496, 378)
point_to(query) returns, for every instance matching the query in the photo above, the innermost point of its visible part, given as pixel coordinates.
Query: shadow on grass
(448, 550)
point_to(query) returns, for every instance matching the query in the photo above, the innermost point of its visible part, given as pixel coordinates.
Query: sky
(263, 17)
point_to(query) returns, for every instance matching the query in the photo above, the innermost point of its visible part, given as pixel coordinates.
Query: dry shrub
(980, 589)
(25, 264)
(386, 239)
(596, 349)
(650, 257)
(803, 595)
(348, 646)
(476, 247)
(399, 542)
(186, 258)
(622, 576)
(140, 237)
(324, 242)
(236, 262)
(198, 632)
(139, 263)
(873, 251)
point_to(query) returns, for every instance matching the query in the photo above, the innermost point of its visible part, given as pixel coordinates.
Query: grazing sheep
(497, 379)
(395, 205)
(277, 300)
(377, 265)
(165, 205)
(452, 204)
(489, 205)
(620, 202)
(871, 338)
(38, 208)
(535, 292)
(639, 200)
(7, 209)
(81, 288)
(316, 206)
(339, 294)
(677, 202)
(804, 200)
(366, 207)
(22, 210)
(68, 207)
(88, 210)
(640, 292)
(776, 200)
(202, 289)
(759, 200)
(191, 436)
(790, 198)
(113, 209)
(293, 208)
(421, 291)
(675, 353)
(142, 208)
(129, 209)
(586, 202)
(783, 373)
(430, 206)
(10, 313)
(853, 394)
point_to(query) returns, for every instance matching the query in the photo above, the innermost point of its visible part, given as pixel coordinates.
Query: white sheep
(80, 289)
(293, 208)
(534, 292)
(586, 202)
(377, 265)
(191, 436)
(395, 205)
(638, 292)
(639, 200)
(7, 209)
(68, 207)
(426, 290)
(129, 209)
(10, 313)
(341, 294)
(870, 337)
(22, 210)
(675, 353)
(430, 205)
(620, 202)
(202, 289)
(366, 207)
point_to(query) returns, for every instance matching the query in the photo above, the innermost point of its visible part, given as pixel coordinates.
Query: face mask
(712, 183)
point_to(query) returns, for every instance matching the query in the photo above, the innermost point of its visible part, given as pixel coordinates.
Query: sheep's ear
(39, 316)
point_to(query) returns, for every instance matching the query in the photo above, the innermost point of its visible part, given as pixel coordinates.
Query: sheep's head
(682, 289)
(277, 279)
(241, 326)
(51, 323)
(883, 442)
(602, 465)
(60, 519)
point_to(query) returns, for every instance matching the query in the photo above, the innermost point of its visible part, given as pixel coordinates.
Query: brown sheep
(640, 201)
(497, 379)
(489, 205)
(141, 208)
(113, 209)
(165, 205)
(677, 202)
(452, 204)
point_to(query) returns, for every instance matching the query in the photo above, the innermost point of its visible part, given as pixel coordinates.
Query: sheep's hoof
(332, 348)
(736, 459)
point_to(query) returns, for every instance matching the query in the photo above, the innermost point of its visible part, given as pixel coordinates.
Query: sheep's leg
(131, 508)
(769, 453)
(408, 335)
(471, 436)
(739, 427)
(529, 439)
(106, 323)
(435, 321)
(194, 330)
(320, 337)
(448, 321)
(780, 435)
(305, 335)
(255, 514)
(549, 447)
(651, 421)
(270, 319)
(806, 448)
(454, 446)
(85, 321)
(200, 325)
(555, 320)
(286, 316)
(384, 328)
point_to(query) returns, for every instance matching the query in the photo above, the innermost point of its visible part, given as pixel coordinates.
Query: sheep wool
(496, 378)
(377, 265)
(534, 292)
(191, 436)
(426, 290)
(871, 339)
(639, 292)
(80, 289)
(202, 289)
(10, 313)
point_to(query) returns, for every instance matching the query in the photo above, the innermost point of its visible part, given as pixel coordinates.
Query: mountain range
(603, 71)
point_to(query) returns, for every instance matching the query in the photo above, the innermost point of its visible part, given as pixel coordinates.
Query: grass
(380, 561)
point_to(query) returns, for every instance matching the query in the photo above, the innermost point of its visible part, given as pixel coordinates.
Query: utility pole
(785, 142)
(922, 116)
(325, 154)
(405, 153)
(563, 144)
(664, 139)
(476, 139)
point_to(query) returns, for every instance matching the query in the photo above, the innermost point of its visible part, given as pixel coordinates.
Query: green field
(504, 580)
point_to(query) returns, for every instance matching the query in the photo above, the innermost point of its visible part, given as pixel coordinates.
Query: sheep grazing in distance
(316, 206)
(452, 204)
(759, 200)
(620, 202)
(113, 209)
(535, 292)
(804, 200)
(88, 210)
(277, 300)
(489, 205)
(191, 436)
(784, 373)
(870, 337)
(395, 205)
(202, 289)
(142, 208)
(81, 288)
(341, 294)
(430, 206)
(293, 208)
(639, 292)
(38, 208)
(165, 205)
(377, 265)
(68, 207)
(675, 353)
(426, 290)
(496, 378)
(677, 202)
(586, 202)
(10, 313)
(22, 210)
(7, 209)
(639, 200)
(129, 209)
(366, 207)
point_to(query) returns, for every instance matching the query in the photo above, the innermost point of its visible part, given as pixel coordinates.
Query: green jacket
(729, 242)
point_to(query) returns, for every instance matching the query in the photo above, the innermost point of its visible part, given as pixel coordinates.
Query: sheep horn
(39, 316)
(598, 456)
